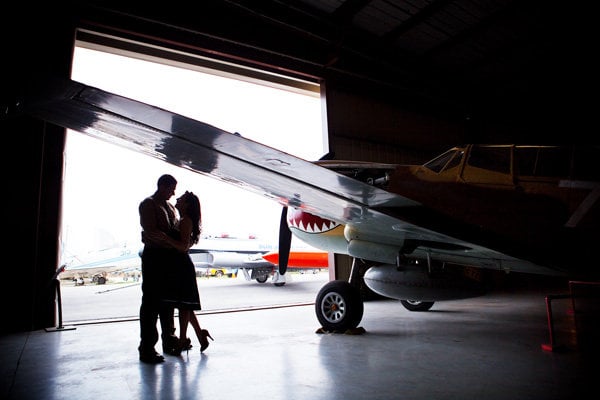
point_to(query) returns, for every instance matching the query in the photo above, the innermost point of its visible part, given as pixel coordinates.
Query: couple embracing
(168, 273)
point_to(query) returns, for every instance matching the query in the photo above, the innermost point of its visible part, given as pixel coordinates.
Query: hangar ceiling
(513, 58)
(460, 50)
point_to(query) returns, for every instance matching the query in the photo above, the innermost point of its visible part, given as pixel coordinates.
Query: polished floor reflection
(483, 348)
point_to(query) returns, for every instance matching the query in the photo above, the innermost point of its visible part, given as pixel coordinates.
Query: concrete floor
(484, 348)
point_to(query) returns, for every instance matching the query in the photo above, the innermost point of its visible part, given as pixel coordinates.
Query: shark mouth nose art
(309, 223)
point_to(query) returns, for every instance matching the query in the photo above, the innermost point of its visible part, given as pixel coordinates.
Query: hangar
(401, 79)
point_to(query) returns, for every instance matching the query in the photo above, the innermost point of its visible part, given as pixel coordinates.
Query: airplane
(212, 255)
(99, 265)
(229, 254)
(416, 233)
(252, 265)
(256, 258)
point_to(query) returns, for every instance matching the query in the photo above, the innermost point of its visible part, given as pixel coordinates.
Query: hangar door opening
(104, 183)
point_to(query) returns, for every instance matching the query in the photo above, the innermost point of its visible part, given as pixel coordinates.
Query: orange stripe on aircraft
(301, 259)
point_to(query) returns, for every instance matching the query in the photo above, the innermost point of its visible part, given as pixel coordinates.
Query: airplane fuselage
(532, 214)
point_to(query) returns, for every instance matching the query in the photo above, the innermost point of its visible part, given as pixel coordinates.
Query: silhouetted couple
(168, 273)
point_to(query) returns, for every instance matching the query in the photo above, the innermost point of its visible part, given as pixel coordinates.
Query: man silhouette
(157, 216)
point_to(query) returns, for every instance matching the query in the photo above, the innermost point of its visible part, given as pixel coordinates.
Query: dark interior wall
(39, 46)
(27, 301)
(370, 126)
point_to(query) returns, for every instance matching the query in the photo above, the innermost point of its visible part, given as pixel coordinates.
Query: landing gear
(99, 279)
(415, 305)
(278, 279)
(339, 306)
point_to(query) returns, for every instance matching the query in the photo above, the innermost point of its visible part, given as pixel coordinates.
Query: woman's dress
(181, 287)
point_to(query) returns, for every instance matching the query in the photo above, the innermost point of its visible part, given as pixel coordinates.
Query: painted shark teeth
(309, 223)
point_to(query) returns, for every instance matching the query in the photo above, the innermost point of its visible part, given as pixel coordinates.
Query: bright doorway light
(104, 183)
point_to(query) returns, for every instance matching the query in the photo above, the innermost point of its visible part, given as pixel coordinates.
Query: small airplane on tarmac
(98, 266)
(257, 259)
(416, 233)
(212, 256)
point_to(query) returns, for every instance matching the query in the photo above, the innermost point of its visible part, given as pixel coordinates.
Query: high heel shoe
(185, 344)
(204, 339)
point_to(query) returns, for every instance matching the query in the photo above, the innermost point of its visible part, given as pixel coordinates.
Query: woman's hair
(193, 209)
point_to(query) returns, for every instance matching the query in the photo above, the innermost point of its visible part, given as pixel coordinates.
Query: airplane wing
(286, 179)
(225, 258)
(108, 262)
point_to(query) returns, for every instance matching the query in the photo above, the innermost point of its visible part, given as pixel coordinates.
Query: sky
(104, 183)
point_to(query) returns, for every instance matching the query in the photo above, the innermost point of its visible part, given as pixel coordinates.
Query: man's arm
(153, 231)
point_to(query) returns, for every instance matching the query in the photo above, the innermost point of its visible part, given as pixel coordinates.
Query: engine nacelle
(415, 283)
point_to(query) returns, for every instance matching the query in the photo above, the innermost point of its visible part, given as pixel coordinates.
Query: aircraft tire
(415, 305)
(262, 279)
(339, 306)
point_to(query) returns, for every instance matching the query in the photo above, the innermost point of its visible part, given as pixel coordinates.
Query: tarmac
(490, 347)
